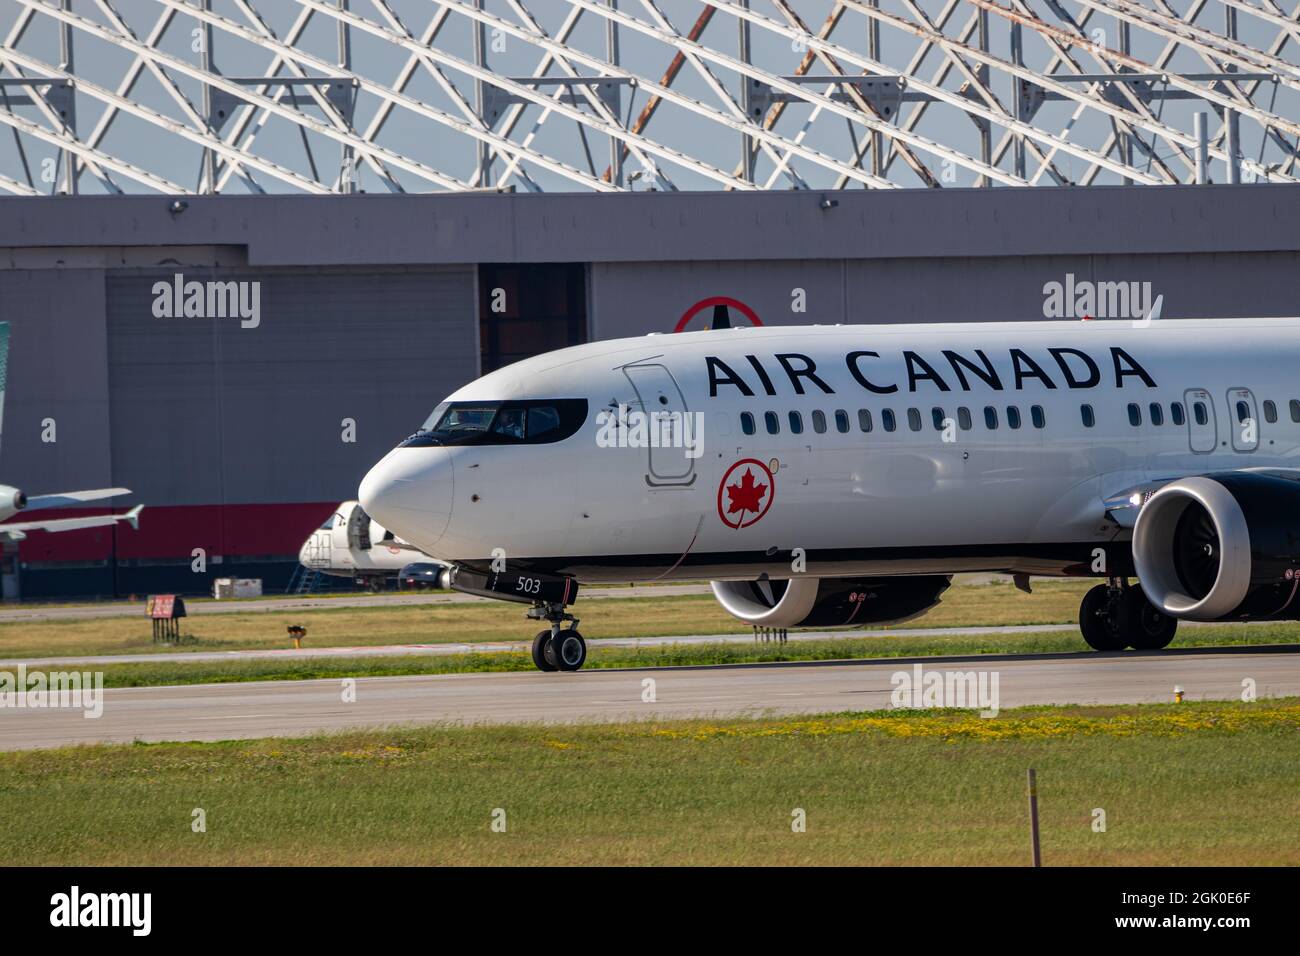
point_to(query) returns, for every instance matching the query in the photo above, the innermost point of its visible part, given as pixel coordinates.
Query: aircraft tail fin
(1156, 306)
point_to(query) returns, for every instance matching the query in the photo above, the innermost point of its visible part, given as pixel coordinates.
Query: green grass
(1192, 784)
(1054, 602)
(146, 674)
(965, 605)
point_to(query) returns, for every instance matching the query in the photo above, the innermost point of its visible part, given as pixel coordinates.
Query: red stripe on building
(174, 531)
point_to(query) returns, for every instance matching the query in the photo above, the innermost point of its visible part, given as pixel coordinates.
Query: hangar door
(293, 405)
(529, 308)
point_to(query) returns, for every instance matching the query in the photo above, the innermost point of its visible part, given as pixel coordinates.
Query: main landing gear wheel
(1114, 616)
(1142, 625)
(1097, 622)
(541, 649)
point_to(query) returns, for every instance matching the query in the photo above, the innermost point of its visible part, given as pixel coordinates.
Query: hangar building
(372, 308)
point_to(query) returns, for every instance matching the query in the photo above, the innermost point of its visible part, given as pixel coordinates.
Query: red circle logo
(745, 493)
(721, 306)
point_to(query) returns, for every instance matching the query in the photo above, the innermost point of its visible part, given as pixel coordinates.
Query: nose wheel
(558, 648)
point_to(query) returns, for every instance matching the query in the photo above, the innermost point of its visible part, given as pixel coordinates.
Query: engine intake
(1222, 547)
(829, 602)
(12, 500)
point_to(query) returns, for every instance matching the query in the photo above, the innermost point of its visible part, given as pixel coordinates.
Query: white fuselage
(950, 495)
(350, 544)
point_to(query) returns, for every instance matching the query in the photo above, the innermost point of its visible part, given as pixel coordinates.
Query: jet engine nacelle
(12, 501)
(1222, 547)
(829, 602)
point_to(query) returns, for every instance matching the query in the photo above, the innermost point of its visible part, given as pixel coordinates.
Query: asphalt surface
(297, 708)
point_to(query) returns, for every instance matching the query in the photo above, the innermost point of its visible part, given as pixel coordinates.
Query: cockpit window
(532, 422)
(331, 521)
(542, 419)
(466, 420)
(509, 423)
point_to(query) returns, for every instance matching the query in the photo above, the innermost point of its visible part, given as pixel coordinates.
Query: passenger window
(938, 416)
(796, 423)
(819, 421)
(1036, 414)
(914, 419)
(1295, 410)
(1176, 414)
(1243, 412)
(887, 419)
(864, 420)
(963, 418)
(1270, 411)
(1157, 414)
(841, 421)
(1134, 414)
(1013, 417)
(772, 422)
(1088, 415)
(990, 417)
(747, 423)
(1203, 416)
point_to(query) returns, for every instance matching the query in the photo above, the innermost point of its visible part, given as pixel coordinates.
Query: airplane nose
(410, 493)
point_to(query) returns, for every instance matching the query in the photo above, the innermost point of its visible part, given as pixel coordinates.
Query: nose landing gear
(1114, 616)
(559, 648)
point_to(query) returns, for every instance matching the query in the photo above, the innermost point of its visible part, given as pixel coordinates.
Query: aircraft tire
(540, 657)
(1141, 625)
(1094, 621)
(569, 650)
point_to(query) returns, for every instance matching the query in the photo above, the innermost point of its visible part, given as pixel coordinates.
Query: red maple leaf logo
(746, 495)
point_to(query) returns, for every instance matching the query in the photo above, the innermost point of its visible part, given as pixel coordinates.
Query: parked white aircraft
(351, 545)
(845, 473)
(14, 500)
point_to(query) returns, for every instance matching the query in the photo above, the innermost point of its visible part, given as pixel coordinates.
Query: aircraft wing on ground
(18, 529)
(68, 498)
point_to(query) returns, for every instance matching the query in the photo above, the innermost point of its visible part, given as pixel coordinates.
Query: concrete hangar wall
(372, 308)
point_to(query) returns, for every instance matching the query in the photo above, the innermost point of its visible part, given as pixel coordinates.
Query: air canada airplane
(840, 475)
(15, 500)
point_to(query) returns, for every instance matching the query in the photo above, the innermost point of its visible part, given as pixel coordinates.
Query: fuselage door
(1202, 426)
(318, 549)
(666, 426)
(1244, 419)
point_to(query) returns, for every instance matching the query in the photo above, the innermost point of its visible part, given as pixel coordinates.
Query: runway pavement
(297, 708)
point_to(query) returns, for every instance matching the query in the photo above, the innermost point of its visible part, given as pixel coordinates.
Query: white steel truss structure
(320, 96)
